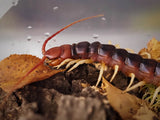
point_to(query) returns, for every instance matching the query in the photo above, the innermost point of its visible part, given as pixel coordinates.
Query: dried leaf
(128, 106)
(14, 67)
(152, 50)
(143, 113)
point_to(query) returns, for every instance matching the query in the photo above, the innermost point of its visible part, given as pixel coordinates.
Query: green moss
(148, 95)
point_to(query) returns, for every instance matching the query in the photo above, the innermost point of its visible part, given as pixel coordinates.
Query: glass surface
(26, 25)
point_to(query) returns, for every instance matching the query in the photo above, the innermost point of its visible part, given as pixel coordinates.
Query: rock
(80, 108)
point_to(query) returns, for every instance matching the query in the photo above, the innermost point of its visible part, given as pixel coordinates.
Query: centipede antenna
(132, 75)
(141, 83)
(155, 95)
(87, 61)
(116, 67)
(49, 38)
(103, 67)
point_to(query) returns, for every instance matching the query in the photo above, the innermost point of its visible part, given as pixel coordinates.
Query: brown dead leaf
(143, 113)
(128, 106)
(152, 50)
(14, 67)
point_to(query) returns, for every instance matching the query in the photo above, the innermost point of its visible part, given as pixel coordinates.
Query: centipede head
(53, 56)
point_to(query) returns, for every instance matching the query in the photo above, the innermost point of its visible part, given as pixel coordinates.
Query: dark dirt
(62, 97)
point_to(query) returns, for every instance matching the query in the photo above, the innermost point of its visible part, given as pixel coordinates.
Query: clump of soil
(63, 97)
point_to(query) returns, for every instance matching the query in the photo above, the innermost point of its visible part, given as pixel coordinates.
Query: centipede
(147, 71)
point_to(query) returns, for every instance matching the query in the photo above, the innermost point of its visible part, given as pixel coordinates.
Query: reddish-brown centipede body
(133, 65)
(147, 70)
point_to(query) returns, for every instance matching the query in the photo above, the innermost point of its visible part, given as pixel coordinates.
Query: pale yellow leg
(109, 42)
(99, 65)
(130, 50)
(103, 67)
(80, 62)
(104, 83)
(63, 63)
(135, 86)
(155, 95)
(116, 67)
(147, 54)
(117, 45)
(132, 75)
(71, 63)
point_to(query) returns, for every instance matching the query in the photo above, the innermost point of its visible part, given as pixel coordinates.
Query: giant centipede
(130, 64)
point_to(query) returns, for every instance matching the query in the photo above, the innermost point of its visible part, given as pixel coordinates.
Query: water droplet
(103, 18)
(47, 34)
(95, 36)
(38, 41)
(29, 38)
(55, 8)
(29, 27)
